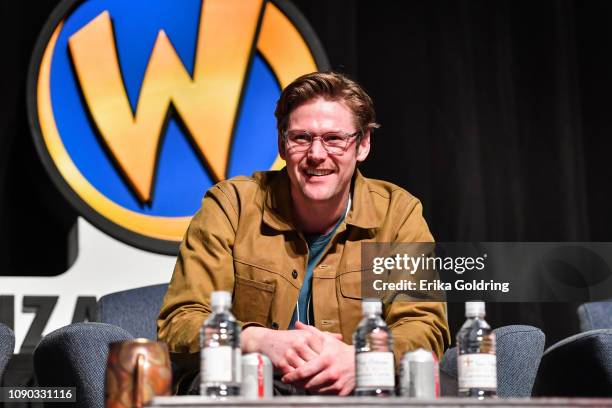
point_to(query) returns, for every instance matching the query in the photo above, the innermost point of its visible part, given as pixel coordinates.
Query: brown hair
(330, 86)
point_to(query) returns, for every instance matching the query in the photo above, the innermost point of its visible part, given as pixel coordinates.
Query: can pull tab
(139, 381)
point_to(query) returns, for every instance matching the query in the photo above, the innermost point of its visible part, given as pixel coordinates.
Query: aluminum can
(256, 376)
(419, 375)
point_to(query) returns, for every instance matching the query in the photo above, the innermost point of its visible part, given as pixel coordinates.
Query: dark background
(496, 114)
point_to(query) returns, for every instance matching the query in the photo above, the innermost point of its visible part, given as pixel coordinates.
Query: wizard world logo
(138, 107)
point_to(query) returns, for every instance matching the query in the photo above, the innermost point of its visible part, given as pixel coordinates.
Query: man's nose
(317, 150)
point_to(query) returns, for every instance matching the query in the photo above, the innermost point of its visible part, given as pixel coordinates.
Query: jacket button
(294, 274)
(274, 326)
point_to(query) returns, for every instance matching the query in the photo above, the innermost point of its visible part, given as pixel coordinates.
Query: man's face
(317, 176)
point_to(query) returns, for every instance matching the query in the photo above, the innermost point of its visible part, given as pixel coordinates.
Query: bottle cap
(221, 298)
(474, 309)
(371, 306)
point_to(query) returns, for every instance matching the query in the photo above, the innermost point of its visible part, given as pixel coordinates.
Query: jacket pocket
(350, 285)
(252, 300)
(349, 302)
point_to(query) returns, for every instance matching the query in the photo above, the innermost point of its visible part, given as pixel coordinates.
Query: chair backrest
(134, 310)
(579, 366)
(595, 315)
(7, 344)
(519, 350)
(75, 356)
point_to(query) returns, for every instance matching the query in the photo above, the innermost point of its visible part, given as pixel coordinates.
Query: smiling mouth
(318, 172)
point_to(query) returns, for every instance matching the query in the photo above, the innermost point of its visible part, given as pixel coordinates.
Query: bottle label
(238, 364)
(375, 369)
(477, 371)
(218, 364)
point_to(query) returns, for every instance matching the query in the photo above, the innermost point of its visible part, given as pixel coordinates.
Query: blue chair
(519, 350)
(134, 310)
(75, 355)
(579, 366)
(595, 315)
(585, 359)
(7, 344)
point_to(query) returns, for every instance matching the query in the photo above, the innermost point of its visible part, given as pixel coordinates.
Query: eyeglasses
(333, 143)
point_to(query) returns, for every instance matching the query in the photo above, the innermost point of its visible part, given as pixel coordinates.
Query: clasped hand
(306, 357)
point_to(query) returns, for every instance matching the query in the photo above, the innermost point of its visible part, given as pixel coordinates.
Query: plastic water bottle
(476, 359)
(220, 355)
(374, 363)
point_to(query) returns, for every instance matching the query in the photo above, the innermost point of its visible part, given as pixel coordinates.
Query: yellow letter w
(207, 103)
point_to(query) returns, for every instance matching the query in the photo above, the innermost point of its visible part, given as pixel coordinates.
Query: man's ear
(281, 147)
(363, 148)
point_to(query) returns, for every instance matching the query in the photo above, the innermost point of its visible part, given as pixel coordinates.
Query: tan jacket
(243, 241)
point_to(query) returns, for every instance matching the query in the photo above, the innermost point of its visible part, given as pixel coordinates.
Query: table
(362, 402)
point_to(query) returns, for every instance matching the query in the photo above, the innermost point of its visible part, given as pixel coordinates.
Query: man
(287, 245)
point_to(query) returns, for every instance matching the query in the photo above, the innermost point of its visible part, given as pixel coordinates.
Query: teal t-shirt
(316, 245)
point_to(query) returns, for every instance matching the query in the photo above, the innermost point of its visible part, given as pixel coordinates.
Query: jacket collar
(277, 212)
(363, 214)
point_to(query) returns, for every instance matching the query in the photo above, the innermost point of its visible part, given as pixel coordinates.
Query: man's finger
(336, 335)
(324, 378)
(332, 388)
(307, 327)
(301, 326)
(314, 330)
(346, 390)
(305, 351)
(309, 369)
(294, 359)
(283, 368)
(313, 337)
